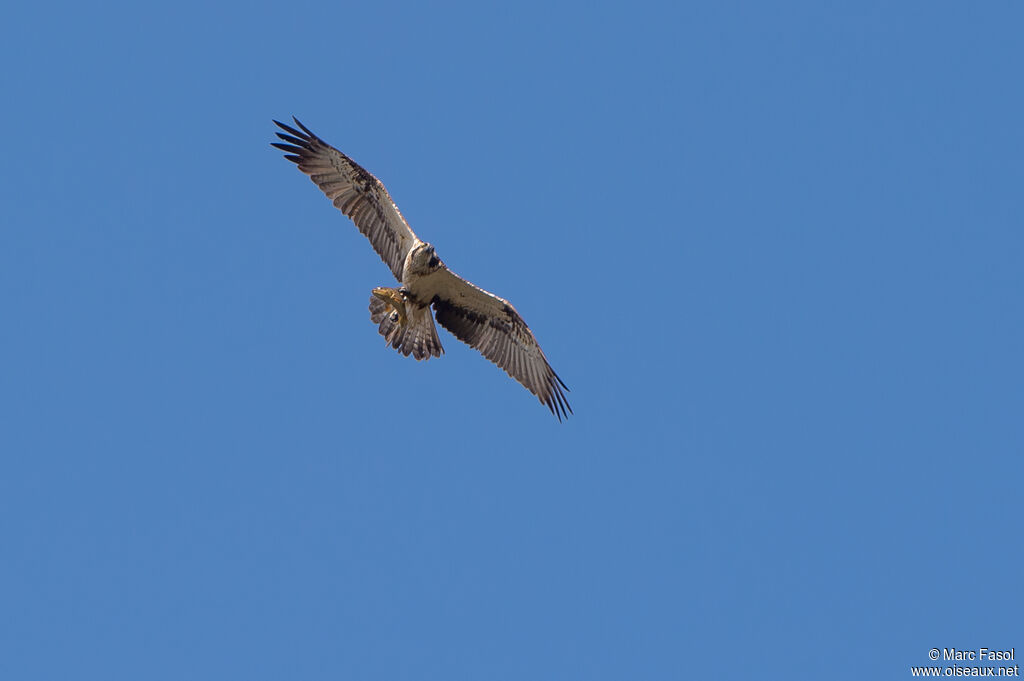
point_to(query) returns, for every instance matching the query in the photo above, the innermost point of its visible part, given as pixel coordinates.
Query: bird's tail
(410, 330)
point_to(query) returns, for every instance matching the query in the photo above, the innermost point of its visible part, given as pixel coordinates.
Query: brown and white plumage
(354, 192)
(478, 318)
(406, 327)
(491, 325)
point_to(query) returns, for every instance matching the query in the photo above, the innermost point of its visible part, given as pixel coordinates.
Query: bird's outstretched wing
(492, 326)
(354, 191)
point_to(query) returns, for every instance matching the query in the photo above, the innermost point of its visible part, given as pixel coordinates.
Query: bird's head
(425, 260)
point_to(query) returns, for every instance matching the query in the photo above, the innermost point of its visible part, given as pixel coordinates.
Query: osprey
(478, 318)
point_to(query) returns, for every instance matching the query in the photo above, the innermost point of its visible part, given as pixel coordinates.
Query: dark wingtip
(556, 398)
(560, 381)
(289, 129)
(292, 139)
(304, 128)
(557, 404)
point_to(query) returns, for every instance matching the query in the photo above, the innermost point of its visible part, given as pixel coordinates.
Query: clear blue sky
(774, 249)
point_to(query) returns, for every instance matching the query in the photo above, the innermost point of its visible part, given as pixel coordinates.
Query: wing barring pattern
(490, 324)
(353, 190)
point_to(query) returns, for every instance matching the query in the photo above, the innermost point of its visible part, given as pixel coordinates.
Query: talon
(393, 297)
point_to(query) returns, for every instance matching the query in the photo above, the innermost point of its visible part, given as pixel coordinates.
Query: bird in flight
(480, 319)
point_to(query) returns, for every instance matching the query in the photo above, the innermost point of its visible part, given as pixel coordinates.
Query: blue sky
(774, 249)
